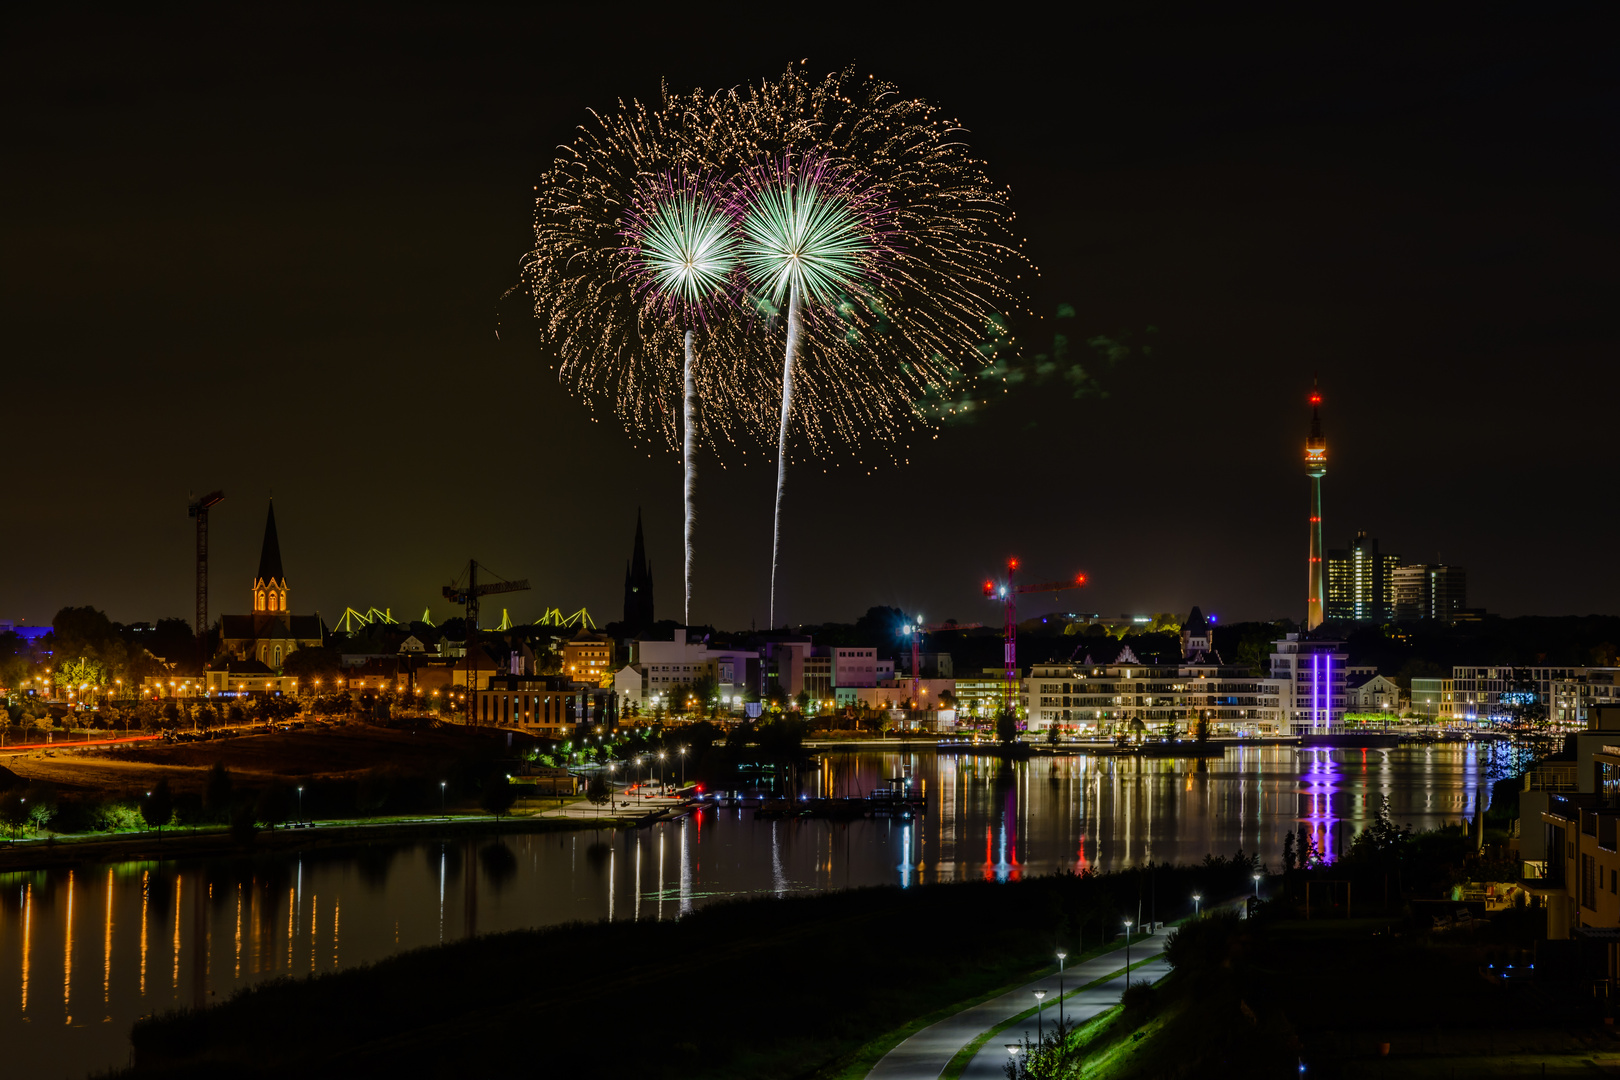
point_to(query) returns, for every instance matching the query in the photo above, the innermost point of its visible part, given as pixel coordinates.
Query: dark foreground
(781, 988)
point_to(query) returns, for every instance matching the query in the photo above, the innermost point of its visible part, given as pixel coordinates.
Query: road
(925, 1054)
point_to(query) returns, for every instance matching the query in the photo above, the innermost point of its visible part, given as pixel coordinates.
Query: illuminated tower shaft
(1316, 468)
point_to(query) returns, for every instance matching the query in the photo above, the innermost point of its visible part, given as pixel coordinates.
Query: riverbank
(214, 842)
(792, 987)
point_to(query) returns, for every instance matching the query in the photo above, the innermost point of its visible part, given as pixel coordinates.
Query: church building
(271, 633)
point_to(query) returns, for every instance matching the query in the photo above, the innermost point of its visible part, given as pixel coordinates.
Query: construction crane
(467, 592)
(916, 631)
(199, 510)
(1008, 592)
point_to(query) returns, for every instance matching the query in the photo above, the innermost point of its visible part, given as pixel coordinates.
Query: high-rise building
(638, 587)
(1316, 468)
(1430, 591)
(1361, 582)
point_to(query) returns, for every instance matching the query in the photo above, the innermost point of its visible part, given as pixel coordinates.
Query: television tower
(1316, 468)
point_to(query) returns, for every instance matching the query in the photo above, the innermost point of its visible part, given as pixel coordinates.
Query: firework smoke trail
(782, 435)
(683, 252)
(689, 465)
(807, 231)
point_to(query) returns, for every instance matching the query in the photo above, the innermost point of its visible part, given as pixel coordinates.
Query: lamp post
(683, 767)
(1061, 957)
(300, 803)
(442, 812)
(1127, 954)
(1257, 886)
(1013, 1049)
(1040, 1032)
(1197, 897)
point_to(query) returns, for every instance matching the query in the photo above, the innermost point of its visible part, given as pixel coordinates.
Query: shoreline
(54, 853)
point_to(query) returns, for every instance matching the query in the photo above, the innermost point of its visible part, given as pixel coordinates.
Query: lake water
(84, 953)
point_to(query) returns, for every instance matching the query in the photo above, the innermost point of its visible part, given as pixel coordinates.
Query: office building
(1430, 591)
(1361, 582)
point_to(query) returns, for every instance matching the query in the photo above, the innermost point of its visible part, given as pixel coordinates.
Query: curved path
(925, 1054)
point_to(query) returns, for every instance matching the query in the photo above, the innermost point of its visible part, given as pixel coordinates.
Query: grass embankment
(1375, 997)
(781, 988)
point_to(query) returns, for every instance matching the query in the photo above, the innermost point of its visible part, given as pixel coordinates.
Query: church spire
(638, 585)
(270, 584)
(270, 553)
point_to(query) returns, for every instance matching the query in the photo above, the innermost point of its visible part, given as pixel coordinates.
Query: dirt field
(311, 752)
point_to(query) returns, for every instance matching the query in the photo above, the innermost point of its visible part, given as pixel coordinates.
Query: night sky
(265, 250)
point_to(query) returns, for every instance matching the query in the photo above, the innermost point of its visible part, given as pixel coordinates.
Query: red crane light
(989, 588)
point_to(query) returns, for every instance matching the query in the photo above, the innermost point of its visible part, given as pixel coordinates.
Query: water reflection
(983, 819)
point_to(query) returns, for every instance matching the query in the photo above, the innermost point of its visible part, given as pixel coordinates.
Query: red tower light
(1012, 564)
(989, 588)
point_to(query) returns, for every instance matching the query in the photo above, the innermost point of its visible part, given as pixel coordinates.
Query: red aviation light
(1012, 564)
(989, 588)
(1316, 399)
(1079, 579)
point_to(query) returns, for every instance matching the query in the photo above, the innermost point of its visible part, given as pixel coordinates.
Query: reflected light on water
(981, 820)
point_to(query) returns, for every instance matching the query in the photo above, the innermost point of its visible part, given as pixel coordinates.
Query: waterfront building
(979, 696)
(1571, 699)
(271, 633)
(1478, 692)
(658, 667)
(1431, 699)
(1372, 694)
(1110, 691)
(1578, 869)
(638, 586)
(1315, 468)
(1361, 582)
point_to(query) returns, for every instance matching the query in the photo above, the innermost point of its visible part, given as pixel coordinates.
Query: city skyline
(240, 263)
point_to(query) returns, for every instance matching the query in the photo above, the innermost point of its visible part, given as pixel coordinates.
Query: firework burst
(632, 254)
(683, 251)
(811, 238)
(921, 261)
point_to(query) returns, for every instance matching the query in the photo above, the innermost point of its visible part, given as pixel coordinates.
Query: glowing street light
(1257, 886)
(1127, 953)
(1061, 957)
(1040, 1031)
(1197, 899)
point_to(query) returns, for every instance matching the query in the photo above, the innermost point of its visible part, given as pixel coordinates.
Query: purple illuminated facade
(1312, 683)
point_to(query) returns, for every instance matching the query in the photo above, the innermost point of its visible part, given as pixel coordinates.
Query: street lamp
(1040, 1031)
(1061, 957)
(683, 766)
(1197, 897)
(300, 802)
(1257, 886)
(441, 800)
(1127, 954)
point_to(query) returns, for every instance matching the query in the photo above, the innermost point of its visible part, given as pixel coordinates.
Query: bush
(1140, 1001)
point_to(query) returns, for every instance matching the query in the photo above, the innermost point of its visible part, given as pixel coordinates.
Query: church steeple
(638, 585)
(270, 584)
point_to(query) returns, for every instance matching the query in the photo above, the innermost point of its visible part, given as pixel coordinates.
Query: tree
(498, 795)
(598, 791)
(803, 701)
(1007, 727)
(158, 807)
(217, 792)
(314, 662)
(13, 810)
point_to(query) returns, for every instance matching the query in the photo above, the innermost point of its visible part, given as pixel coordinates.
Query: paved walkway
(925, 1054)
(990, 1063)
